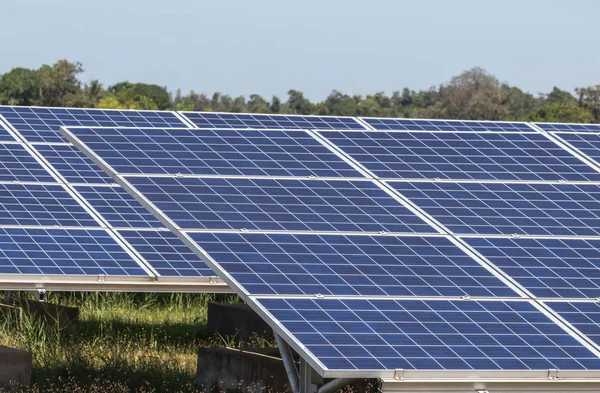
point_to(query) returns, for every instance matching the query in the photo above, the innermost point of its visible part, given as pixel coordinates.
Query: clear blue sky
(270, 46)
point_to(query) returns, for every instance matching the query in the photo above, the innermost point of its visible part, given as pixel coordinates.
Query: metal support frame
(305, 378)
(288, 363)
(40, 295)
(334, 385)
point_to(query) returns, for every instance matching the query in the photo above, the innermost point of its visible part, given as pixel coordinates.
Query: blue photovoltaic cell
(588, 144)
(564, 268)
(72, 164)
(307, 264)
(270, 204)
(5, 136)
(496, 208)
(166, 253)
(39, 124)
(462, 156)
(214, 152)
(40, 204)
(444, 125)
(585, 316)
(17, 164)
(429, 335)
(118, 207)
(565, 127)
(64, 252)
(262, 121)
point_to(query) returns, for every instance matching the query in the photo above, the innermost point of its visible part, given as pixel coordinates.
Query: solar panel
(5, 136)
(118, 207)
(271, 204)
(17, 164)
(388, 334)
(519, 208)
(585, 316)
(588, 144)
(264, 121)
(73, 165)
(213, 152)
(168, 255)
(64, 252)
(40, 124)
(444, 125)
(309, 264)
(462, 155)
(41, 204)
(563, 268)
(566, 127)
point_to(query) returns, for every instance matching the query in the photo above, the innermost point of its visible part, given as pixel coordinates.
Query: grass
(122, 342)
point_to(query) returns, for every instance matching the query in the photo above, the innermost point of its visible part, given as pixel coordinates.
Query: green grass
(122, 343)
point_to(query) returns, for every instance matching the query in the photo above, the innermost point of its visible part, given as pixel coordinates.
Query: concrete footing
(48, 312)
(236, 320)
(15, 367)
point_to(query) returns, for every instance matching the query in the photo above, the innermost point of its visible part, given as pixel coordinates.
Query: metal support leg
(334, 384)
(305, 380)
(288, 363)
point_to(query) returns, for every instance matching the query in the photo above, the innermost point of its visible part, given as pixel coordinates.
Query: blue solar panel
(496, 208)
(5, 136)
(462, 156)
(17, 164)
(564, 268)
(118, 207)
(566, 127)
(308, 264)
(429, 335)
(263, 121)
(39, 204)
(588, 144)
(270, 204)
(213, 152)
(64, 252)
(39, 124)
(444, 125)
(585, 316)
(72, 164)
(168, 255)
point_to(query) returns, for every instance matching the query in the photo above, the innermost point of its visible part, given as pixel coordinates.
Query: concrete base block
(241, 371)
(236, 320)
(48, 312)
(15, 367)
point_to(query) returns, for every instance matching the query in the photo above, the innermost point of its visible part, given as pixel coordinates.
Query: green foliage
(474, 94)
(561, 113)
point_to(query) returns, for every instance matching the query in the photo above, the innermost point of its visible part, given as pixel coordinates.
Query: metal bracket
(552, 374)
(399, 374)
(40, 295)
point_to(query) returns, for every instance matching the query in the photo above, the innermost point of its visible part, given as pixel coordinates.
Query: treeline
(475, 94)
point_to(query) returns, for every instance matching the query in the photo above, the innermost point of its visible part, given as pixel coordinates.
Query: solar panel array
(62, 216)
(373, 245)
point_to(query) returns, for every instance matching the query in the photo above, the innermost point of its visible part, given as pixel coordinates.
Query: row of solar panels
(346, 264)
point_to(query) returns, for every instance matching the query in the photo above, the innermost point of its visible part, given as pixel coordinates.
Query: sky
(271, 46)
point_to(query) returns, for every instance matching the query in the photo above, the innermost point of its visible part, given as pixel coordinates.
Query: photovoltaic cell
(40, 124)
(270, 204)
(39, 204)
(588, 144)
(262, 121)
(64, 252)
(444, 125)
(17, 164)
(213, 152)
(496, 208)
(73, 165)
(563, 268)
(308, 264)
(118, 207)
(584, 316)
(566, 127)
(429, 335)
(168, 255)
(462, 155)
(5, 136)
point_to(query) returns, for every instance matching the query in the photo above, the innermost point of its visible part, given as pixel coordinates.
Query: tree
(20, 86)
(142, 93)
(518, 104)
(257, 104)
(561, 113)
(59, 85)
(589, 98)
(558, 96)
(298, 104)
(275, 105)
